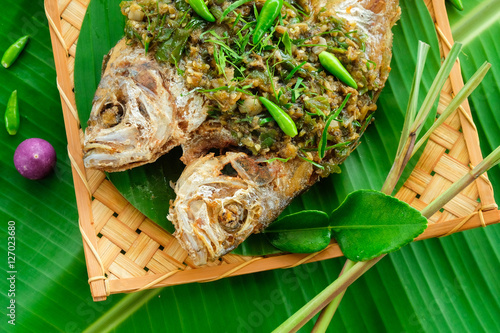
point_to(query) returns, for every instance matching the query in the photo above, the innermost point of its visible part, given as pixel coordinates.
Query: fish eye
(112, 114)
(232, 217)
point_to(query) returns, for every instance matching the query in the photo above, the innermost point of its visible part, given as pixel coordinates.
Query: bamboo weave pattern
(137, 254)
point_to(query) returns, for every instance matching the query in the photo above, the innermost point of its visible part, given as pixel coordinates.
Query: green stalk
(121, 311)
(309, 310)
(406, 149)
(408, 137)
(469, 87)
(489, 162)
(411, 109)
(326, 315)
(437, 85)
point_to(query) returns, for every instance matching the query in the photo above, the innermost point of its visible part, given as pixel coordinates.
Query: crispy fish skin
(140, 111)
(214, 211)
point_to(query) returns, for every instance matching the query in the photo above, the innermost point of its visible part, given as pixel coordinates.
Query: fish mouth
(109, 156)
(93, 146)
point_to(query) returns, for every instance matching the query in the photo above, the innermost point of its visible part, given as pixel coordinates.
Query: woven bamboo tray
(127, 252)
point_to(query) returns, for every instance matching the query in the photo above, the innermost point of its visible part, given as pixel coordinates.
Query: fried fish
(140, 111)
(144, 107)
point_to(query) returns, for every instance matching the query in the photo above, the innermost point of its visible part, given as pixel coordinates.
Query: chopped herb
(294, 71)
(324, 139)
(284, 160)
(199, 89)
(338, 145)
(179, 71)
(367, 122)
(247, 119)
(327, 32)
(296, 91)
(369, 62)
(230, 51)
(311, 45)
(319, 113)
(232, 7)
(271, 77)
(264, 121)
(319, 166)
(299, 10)
(287, 43)
(255, 12)
(238, 18)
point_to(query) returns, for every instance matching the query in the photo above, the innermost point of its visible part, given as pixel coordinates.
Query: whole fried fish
(142, 109)
(214, 211)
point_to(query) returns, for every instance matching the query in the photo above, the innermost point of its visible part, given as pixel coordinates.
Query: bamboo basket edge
(101, 287)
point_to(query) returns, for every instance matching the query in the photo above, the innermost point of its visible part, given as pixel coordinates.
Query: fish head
(131, 113)
(221, 200)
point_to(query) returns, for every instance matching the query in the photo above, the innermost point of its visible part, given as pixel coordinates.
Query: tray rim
(85, 180)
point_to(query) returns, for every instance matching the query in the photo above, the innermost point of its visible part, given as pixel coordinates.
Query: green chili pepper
(200, 7)
(457, 4)
(335, 67)
(284, 121)
(268, 14)
(12, 114)
(14, 51)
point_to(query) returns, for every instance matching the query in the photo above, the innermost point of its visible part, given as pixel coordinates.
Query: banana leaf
(148, 187)
(437, 285)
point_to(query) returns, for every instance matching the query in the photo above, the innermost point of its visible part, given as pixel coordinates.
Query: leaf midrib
(360, 226)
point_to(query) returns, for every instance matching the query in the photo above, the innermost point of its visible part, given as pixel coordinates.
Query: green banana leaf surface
(437, 285)
(148, 187)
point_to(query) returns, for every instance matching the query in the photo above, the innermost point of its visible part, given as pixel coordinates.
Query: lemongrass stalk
(411, 109)
(309, 310)
(326, 315)
(469, 87)
(412, 126)
(435, 89)
(490, 161)
(406, 141)
(405, 147)
(121, 310)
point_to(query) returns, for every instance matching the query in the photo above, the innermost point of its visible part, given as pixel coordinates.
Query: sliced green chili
(12, 118)
(200, 7)
(457, 4)
(282, 118)
(10, 56)
(269, 12)
(335, 67)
